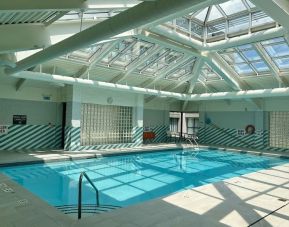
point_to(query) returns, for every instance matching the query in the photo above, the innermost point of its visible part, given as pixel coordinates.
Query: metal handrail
(83, 174)
(190, 138)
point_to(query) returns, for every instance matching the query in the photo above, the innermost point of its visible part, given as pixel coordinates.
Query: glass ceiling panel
(159, 61)
(243, 69)
(245, 47)
(118, 49)
(182, 70)
(132, 53)
(260, 18)
(233, 17)
(260, 66)
(239, 24)
(202, 15)
(278, 50)
(183, 23)
(251, 55)
(215, 14)
(275, 40)
(86, 53)
(233, 6)
(245, 60)
(282, 63)
(208, 74)
(232, 58)
(250, 4)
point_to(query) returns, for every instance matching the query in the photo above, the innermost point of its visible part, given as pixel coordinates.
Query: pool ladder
(193, 142)
(83, 174)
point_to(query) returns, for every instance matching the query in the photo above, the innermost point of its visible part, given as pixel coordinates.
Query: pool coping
(80, 155)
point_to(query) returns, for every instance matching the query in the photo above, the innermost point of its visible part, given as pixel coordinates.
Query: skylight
(245, 60)
(278, 50)
(159, 62)
(182, 70)
(233, 7)
(208, 74)
(221, 21)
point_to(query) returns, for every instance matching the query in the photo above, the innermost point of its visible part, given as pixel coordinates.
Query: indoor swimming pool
(124, 180)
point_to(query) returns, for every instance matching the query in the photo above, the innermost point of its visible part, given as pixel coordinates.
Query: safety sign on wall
(19, 119)
(3, 129)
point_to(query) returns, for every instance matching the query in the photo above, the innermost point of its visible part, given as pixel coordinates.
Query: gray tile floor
(238, 201)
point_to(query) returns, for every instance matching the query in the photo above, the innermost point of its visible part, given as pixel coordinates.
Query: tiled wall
(160, 134)
(211, 135)
(31, 137)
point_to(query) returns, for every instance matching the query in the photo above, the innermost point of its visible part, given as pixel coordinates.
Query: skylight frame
(240, 23)
(131, 54)
(277, 59)
(158, 62)
(245, 63)
(204, 74)
(182, 67)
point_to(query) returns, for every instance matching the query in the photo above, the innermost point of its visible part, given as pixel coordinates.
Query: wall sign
(241, 132)
(3, 129)
(19, 119)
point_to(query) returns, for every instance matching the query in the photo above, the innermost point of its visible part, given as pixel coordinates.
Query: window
(102, 124)
(192, 125)
(174, 124)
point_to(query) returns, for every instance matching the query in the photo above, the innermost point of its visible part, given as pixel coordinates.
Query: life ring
(250, 129)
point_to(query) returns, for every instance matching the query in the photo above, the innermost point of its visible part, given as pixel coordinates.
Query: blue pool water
(130, 179)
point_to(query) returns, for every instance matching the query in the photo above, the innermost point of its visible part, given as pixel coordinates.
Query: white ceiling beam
(23, 37)
(219, 45)
(200, 62)
(60, 31)
(263, 93)
(277, 9)
(195, 76)
(36, 5)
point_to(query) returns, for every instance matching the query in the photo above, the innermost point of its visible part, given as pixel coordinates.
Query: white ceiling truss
(215, 45)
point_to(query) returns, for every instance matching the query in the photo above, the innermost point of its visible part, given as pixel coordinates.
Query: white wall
(38, 113)
(76, 95)
(153, 117)
(8, 91)
(30, 101)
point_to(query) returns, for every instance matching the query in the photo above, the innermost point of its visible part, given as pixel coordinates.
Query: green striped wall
(31, 137)
(72, 140)
(161, 133)
(211, 135)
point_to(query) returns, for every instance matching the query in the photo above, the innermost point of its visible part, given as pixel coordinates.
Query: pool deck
(239, 201)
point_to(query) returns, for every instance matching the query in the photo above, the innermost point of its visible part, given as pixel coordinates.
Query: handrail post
(80, 195)
(80, 192)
